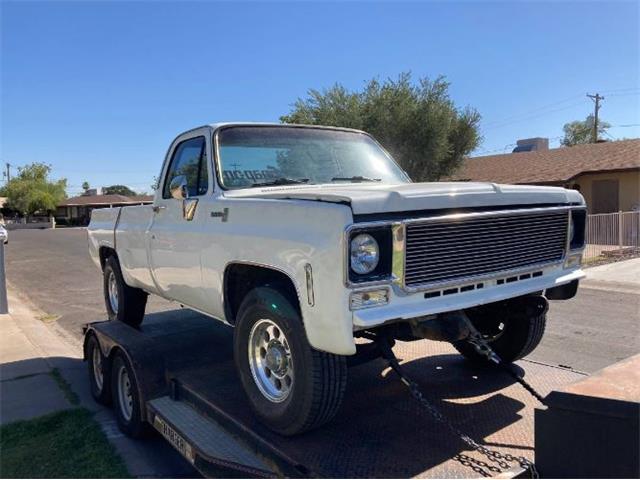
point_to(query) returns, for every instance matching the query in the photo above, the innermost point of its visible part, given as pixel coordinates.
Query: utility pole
(8, 174)
(596, 98)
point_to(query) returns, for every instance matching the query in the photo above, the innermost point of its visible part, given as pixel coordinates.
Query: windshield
(258, 155)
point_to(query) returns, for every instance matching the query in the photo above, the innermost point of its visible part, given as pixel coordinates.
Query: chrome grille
(465, 246)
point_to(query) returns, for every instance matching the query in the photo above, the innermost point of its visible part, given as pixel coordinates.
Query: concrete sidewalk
(27, 386)
(29, 352)
(623, 276)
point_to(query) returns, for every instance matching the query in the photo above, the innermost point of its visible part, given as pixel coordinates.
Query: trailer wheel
(512, 329)
(99, 372)
(126, 398)
(124, 303)
(291, 387)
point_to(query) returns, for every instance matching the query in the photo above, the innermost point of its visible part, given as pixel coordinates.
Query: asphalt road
(53, 268)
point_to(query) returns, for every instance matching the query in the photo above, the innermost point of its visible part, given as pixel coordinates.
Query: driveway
(595, 329)
(617, 276)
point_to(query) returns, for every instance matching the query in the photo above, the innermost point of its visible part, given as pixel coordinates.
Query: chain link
(504, 461)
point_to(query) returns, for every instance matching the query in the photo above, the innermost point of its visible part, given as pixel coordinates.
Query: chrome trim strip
(309, 274)
(398, 237)
(496, 213)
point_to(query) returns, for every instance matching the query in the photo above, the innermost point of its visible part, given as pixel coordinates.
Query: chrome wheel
(270, 360)
(125, 397)
(112, 286)
(96, 358)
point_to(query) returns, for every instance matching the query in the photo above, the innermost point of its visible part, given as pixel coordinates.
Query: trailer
(175, 374)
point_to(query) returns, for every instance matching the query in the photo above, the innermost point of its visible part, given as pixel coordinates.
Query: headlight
(365, 254)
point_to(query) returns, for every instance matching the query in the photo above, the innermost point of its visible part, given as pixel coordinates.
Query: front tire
(291, 387)
(124, 303)
(513, 329)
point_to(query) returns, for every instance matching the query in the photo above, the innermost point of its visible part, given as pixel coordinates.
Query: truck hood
(366, 198)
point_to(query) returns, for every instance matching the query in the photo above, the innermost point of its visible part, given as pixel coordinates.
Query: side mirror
(178, 187)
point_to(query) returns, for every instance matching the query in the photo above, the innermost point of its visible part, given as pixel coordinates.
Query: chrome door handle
(157, 208)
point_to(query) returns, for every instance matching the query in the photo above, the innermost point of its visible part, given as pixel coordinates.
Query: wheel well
(240, 279)
(105, 252)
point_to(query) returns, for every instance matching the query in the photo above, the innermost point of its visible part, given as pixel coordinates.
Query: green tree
(32, 191)
(118, 190)
(579, 132)
(416, 121)
(85, 186)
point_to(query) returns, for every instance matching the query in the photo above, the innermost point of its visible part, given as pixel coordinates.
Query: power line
(623, 94)
(529, 112)
(541, 114)
(619, 90)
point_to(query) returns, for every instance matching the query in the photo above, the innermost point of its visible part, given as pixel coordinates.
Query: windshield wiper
(357, 178)
(280, 181)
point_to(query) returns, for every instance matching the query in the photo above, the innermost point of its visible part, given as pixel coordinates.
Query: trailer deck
(193, 396)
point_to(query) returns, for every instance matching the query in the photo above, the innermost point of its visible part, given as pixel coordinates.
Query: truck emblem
(224, 214)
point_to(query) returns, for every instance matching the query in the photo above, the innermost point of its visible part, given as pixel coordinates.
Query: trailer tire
(523, 320)
(312, 395)
(99, 371)
(124, 303)
(126, 398)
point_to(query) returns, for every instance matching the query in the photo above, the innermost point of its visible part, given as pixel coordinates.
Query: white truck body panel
(368, 198)
(286, 228)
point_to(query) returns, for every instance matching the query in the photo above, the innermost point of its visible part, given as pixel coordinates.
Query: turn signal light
(368, 299)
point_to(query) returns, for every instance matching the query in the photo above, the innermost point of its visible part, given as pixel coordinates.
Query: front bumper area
(404, 307)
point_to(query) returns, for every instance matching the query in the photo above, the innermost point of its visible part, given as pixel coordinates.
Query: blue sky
(99, 90)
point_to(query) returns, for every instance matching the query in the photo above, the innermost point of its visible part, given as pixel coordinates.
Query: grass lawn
(67, 444)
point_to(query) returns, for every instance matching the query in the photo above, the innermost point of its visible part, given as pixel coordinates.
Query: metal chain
(483, 348)
(502, 460)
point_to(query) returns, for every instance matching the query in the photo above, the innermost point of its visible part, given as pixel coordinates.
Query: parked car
(4, 235)
(305, 238)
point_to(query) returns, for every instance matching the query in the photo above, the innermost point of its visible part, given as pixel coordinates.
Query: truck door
(176, 232)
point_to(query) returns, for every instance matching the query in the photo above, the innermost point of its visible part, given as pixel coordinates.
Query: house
(607, 174)
(77, 210)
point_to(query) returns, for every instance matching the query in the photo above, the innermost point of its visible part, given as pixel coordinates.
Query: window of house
(189, 159)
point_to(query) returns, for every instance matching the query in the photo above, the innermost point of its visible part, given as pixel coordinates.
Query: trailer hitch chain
(504, 461)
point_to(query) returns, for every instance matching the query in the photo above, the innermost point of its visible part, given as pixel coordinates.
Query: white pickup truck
(306, 238)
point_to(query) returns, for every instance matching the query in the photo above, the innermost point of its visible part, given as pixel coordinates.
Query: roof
(101, 200)
(552, 166)
(215, 126)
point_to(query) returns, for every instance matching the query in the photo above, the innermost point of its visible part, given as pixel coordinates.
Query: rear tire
(99, 372)
(126, 398)
(513, 329)
(124, 303)
(291, 387)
